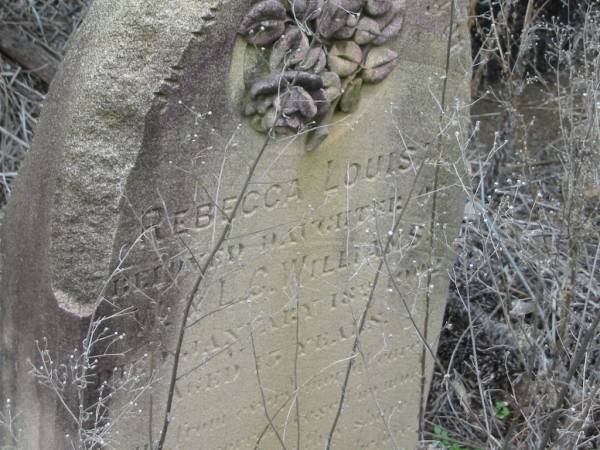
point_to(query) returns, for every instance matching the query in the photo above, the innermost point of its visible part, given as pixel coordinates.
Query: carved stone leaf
(304, 10)
(249, 109)
(270, 84)
(276, 82)
(379, 64)
(321, 63)
(333, 86)
(290, 48)
(259, 105)
(282, 125)
(334, 16)
(297, 100)
(391, 22)
(264, 23)
(314, 61)
(344, 58)
(263, 104)
(352, 20)
(367, 30)
(268, 120)
(289, 124)
(390, 30)
(351, 96)
(352, 6)
(307, 80)
(296, 8)
(257, 123)
(345, 32)
(330, 21)
(320, 100)
(378, 7)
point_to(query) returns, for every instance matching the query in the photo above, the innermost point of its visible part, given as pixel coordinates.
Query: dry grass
(525, 287)
(47, 23)
(520, 344)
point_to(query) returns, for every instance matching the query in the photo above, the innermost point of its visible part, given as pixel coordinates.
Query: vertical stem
(432, 223)
(381, 263)
(194, 292)
(296, 371)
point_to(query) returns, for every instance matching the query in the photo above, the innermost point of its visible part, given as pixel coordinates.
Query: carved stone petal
(367, 30)
(321, 101)
(268, 120)
(294, 122)
(290, 49)
(259, 105)
(277, 82)
(314, 61)
(333, 86)
(345, 32)
(390, 30)
(249, 109)
(270, 84)
(331, 79)
(334, 15)
(321, 63)
(352, 20)
(330, 21)
(264, 23)
(257, 123)
(378, 7)
(296, 8)
(307, 80)
(299, 101)
(385, 19)
(351, 96)
(379, 64)
(344, 58)
(352, 6)
(287, 125)
(305, 10)
(265, 103)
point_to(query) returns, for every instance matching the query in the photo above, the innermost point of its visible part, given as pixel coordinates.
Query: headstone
(145, 169)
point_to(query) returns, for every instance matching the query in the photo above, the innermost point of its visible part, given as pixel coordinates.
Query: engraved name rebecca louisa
(274, 196)
(202, 217)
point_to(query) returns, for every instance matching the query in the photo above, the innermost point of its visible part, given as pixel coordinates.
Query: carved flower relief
(318, 54)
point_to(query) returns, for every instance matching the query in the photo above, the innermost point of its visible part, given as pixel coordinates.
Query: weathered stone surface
(58, 238)
(142, 135)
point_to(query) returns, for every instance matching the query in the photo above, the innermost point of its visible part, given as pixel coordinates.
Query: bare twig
(195, 289)
(562, 396)
(381, 263)
(262, 391)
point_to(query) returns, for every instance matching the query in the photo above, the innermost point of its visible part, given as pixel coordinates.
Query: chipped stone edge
(111, 78)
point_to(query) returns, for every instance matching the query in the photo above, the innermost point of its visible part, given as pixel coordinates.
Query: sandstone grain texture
(142, 135)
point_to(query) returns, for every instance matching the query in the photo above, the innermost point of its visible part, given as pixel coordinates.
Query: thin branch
(371, 298)
(296, 355)
(194, 292)
(262, 391)
(562, 396)
(433, 220)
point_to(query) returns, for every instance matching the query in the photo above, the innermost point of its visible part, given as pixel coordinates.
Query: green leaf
(502, 409)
